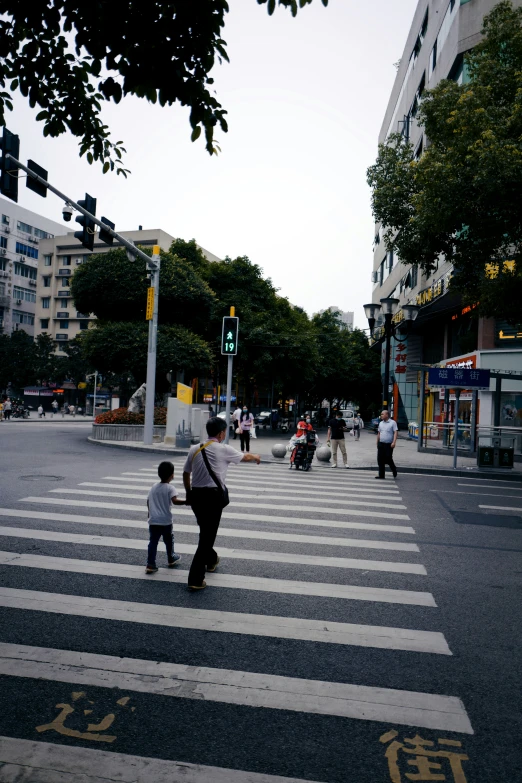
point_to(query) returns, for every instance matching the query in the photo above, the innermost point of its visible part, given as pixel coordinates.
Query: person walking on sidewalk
(7, 409)
(336, 429)
(386, 440)
(207, 464)
(159, 501)
(358, 424)
(246, 422)
(235, 420)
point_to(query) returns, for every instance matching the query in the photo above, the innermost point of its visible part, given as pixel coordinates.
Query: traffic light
(86, 235)
(229, 335)
(9, 173)
(104, 236)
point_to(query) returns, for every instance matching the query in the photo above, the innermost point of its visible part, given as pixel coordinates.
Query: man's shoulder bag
(222, 490)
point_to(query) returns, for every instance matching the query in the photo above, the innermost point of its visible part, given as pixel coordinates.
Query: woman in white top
(246, 422)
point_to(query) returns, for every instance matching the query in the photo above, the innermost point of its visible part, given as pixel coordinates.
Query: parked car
(263, 418)
(223, 415)
(348, 414)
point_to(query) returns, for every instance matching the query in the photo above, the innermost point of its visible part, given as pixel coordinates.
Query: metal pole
(456, 428)
(229, 395)
(473, 433)
(386, 383)
(445, 432)
(148, 429)
(498, 390)
(421, 417)
(94, 395)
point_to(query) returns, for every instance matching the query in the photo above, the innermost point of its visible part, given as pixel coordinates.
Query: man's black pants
(206, 505)
(385, 457)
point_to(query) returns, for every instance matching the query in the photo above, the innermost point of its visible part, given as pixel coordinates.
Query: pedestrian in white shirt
(386, 439)
(235, 420)
(246, 423)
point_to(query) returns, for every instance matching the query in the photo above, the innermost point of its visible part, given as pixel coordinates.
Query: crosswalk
(309, 564)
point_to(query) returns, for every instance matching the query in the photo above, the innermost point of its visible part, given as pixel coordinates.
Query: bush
(122, 416)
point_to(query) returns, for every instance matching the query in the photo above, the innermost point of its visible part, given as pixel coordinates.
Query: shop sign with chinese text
(458, 377)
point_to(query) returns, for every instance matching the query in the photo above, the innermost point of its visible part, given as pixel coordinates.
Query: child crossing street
(160, 517)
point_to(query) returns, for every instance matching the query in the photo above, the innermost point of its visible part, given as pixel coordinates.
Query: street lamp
(387, 308)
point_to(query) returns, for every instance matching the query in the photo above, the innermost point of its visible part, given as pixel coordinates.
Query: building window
(65, 282)
(24, 227)
(2, 289)
(84, 325)
(66, 260)
(42, 234)
(24, 293)
(62, 336)
(20, 317)
(48, 260)
(25, 271)
(5, 220)
(26, 250)
(47, 281)
(46, 302)
(390, 261)
(433, 60)
(414, 276)
(3, 242)
(44, 323)
(64, 324)
(381, 272)
(3, 264)
(64, 303)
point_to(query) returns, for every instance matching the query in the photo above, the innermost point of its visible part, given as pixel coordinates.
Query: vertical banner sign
(184, 393)
(150, 304)
(229, 335)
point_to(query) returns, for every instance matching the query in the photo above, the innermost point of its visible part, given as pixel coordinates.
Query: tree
(69, 57)
(115, 289)
(461, 198)
(17, 360)
(121, 348)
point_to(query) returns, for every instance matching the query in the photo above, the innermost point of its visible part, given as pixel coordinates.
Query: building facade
(441, 33)
(60, 256)
(22, 234)
(345, 316)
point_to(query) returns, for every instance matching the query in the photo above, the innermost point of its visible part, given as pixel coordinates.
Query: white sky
(306, 97)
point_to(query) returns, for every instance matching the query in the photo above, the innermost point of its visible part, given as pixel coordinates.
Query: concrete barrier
(125, 432)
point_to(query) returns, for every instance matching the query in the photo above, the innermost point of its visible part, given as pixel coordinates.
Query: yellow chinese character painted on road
(93, 731)
(423, 760)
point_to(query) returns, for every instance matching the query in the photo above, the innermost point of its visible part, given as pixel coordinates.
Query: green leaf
(196, 133)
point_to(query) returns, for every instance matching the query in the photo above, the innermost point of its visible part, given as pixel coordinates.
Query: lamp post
(388, 307)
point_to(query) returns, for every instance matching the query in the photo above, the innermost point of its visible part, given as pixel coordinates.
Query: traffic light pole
(148, 430)
(229, 395)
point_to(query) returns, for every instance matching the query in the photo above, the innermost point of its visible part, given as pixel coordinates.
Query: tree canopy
(460, 198)
(69, 57)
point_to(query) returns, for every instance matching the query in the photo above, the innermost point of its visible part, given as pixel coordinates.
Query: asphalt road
(321, 575)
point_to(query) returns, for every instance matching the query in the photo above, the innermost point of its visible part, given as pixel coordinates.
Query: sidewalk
(362, 455)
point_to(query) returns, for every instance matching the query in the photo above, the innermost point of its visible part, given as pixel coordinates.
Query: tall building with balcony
(445, 332)
(22, 233)
(60, 256)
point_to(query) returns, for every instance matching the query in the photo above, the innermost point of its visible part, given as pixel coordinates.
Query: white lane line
(43, 761)
(275, 506)
(231, 581)
(503, 508)
(361, 543)
(492, 486)
(295, 628)
(238, 493)
(244, 516)
(237, 554)
(237, 687)
(314, 480)
(246, 484)
(483, 494)
(497, 481)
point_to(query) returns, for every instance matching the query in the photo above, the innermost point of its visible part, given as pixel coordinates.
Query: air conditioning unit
(21, 259)
(3, 251)
(7, 230)
(375, 277)
(32, 282)
(79, 261)
(4, 274)
(18, 301)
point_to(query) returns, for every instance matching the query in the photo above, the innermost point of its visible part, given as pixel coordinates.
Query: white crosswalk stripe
(270, 509)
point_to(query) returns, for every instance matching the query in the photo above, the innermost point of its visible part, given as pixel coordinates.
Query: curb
(150, 449)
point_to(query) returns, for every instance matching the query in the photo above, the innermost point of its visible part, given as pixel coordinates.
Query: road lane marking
(483, 494)
(359, 702)
(292, 628)
(349, 477)
(244, 516)
(361, 543)
(46, 761)
(275, 506)
(238, 554)
(231, 581)
(255, 492)
(503, 508)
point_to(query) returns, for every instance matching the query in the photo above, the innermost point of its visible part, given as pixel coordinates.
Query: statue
(137, 401)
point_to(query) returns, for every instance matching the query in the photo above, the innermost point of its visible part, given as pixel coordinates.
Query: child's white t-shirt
(160, 504)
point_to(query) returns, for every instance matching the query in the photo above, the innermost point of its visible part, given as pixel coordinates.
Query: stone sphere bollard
(324, 453)
(279, 450)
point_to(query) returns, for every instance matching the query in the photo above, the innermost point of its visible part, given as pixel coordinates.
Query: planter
(125, 432)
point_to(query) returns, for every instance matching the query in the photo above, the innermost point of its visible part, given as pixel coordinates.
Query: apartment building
(346, 316)
(21, 235)
(60, 256)
(442, 31)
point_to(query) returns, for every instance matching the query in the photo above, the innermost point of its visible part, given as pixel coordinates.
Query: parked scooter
(19, 412)
(284, 425)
